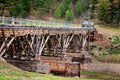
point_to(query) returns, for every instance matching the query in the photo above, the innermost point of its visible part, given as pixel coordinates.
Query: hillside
(107, 11)
(104, 13)
(9, 72)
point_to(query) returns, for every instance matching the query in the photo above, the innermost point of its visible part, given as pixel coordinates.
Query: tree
(118, 16)
(111, 11)
(69, 15)
(94, 1)
(19, 10)
(91, 15)
(4, 4)
(43, 6)
(64, 7)
(79, 8)
(58, 12)
(26, 5)
(103, 15)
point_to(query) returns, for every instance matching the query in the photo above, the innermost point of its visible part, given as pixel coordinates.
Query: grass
(116, 29)
(111, 53)
(114, 58)
(9, 72)
(100, 75)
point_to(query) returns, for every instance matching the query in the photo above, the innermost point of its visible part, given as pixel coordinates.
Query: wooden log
(3, 44)
(7, 46)
(43, 43)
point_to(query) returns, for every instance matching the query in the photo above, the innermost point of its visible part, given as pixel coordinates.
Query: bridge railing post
(20, 21)
(3, 19)
(13, 20)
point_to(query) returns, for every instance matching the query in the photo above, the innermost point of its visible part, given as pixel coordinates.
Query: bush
(58, 12)
(116, 40)
(93, 47)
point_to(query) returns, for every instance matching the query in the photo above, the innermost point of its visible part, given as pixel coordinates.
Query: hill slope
(9, 72)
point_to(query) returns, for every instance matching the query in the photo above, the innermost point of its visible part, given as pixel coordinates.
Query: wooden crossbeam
(43, 43)
(66, 41)
(3, 45)
(9, 43)
(84, 41)
(69, 40)
(22, 46)
(30, 44)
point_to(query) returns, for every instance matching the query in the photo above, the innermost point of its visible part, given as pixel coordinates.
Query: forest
(107, 11)
(52, 32)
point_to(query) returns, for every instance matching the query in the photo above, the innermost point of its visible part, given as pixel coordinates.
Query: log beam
(7, 46)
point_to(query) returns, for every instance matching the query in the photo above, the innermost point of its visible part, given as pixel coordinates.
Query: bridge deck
(7, 30)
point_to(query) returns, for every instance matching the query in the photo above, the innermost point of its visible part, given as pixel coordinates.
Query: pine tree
(64, 7)
(58, 12)
(79, 8)
(103, 15)
(111, 11)
(118, 17)
(91, 15)
(43, 6)
(16, 8)
(27, 4)
(69, 15)
(94, 1)
(19, 10)
(4, 4)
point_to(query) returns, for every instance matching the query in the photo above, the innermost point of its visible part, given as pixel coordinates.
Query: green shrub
(100, 48)
(116, 40)
(114, 51)
(93, 47)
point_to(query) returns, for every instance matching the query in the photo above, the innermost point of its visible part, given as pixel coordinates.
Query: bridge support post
(3, 19)
(84, 37)
(66, 41)
(5, 46)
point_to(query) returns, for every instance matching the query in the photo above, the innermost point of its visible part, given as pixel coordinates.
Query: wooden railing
(38, 23)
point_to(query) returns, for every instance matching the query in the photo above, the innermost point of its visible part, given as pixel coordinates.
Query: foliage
(43, 6)
(19, 9)
(64, 6)
(79, 7)
(108, 11)
(103, 11)
(26, 6)
(93, 47)
(116, 40)
(113, 50)
(58, 12)
(94, 1)
(91, 15)
(99, 75)
(69, 15)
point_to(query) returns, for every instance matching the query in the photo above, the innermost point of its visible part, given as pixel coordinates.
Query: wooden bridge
(30, 40)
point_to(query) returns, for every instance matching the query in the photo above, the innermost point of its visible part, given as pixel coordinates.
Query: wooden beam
(22, 46)
(12, 39)
(3, 44)
(69, 40)
(84, 41)
(30, 43)
(66, 41)
(43, 43)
